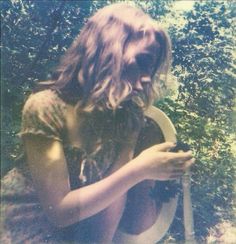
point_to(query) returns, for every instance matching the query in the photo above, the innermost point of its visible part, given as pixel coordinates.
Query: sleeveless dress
(22, 217)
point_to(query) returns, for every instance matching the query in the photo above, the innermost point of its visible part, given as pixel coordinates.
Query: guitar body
(159, 129)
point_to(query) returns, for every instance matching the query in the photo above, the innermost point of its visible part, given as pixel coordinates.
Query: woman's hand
(158, 163)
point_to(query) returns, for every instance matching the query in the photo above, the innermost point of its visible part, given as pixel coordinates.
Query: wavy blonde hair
(90, 71)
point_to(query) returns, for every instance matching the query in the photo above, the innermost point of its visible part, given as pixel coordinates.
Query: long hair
(90, 72)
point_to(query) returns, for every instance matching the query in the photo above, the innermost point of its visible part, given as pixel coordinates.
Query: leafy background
(36, 33)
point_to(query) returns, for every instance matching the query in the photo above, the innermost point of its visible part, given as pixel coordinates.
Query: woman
(80, 133)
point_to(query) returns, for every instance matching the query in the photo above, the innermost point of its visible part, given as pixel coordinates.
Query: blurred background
(201, 103)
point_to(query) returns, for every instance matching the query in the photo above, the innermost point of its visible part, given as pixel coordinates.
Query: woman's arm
(50, 175)
(64, 207)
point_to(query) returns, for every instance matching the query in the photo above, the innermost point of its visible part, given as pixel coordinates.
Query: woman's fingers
(175, 177)
(177, 171)
(189, 163)
(183, 163)
(180, 156)
(162, 164)
(180, 169)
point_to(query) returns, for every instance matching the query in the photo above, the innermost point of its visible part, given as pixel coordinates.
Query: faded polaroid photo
(118, 122)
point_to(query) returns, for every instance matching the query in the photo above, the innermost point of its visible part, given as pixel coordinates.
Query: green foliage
(34, 36)
(36, 33)
(203, 59)
(204, 63)
(213, 173)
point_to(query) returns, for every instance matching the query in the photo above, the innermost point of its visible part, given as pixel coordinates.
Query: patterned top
(45, 114)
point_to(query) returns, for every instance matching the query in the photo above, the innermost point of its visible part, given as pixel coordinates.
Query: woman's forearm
(48, 167)
(84, 202)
